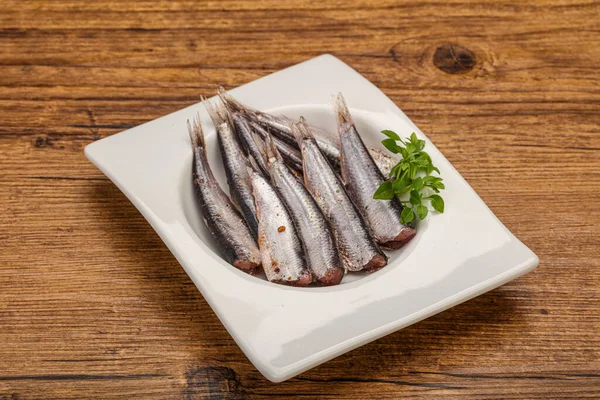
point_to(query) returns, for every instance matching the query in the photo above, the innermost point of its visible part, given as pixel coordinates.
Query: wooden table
(93, 305)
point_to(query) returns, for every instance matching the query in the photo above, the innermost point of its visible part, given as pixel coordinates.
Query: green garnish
(412, 175)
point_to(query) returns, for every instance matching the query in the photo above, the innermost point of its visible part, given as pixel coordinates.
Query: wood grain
(93, 305)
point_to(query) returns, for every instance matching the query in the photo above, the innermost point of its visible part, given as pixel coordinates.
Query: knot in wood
(454, 59)
(214, 382)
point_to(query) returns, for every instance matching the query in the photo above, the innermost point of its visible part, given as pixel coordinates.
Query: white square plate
(283, 330)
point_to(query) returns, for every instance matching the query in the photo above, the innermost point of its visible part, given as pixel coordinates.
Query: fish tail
(342, 114)
(271, 149)
(262, 132)
(217, 112)
(235, 106)
(262, 148)
(230, 102)
(251, 166)
(266, 147)
(196, 133)
(301, 131)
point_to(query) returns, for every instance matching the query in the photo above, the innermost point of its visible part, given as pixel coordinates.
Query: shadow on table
(156, 277)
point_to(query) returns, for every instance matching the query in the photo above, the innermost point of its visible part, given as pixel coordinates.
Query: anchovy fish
(356, 247)
(246, 135)
(384, 161)
(221, 217)
(317, 239)
(362, 178)
(279, 126)
(290, 154)
(280, 248)
(234, 163)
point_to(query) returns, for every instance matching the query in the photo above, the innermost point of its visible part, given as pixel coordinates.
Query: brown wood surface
(93, 305)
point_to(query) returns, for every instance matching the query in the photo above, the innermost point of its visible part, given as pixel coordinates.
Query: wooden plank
(92, 303)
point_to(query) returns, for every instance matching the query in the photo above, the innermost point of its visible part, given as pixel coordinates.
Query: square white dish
(283, 330)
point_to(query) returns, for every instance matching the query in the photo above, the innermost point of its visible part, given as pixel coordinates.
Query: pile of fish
(301, 204)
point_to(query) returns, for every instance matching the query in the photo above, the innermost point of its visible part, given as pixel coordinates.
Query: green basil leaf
(384, 191)
(399, 185)
(430, 180)
(422, 211)
(391, 134)
(415, 197)
(437, 202)
(404, 153)
(418, 183)
(438, 185)
(414, 139)
(391, 145)
(422, 161)
(407, 215)
(404, 179)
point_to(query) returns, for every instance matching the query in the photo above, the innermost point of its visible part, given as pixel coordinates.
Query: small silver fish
(290, 154)
(280, 247)
(279, 126)
(362, 178)
(384, 161)
(234, 164)
(356, 247)
(220, 216)
(246, 135)
(317, 239)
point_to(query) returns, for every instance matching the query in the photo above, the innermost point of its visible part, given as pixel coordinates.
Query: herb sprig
(412, 175)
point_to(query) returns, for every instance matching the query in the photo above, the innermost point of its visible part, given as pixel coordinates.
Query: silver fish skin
(279, 126)
(317, 239)
(384, 161)
(290, 154)
(362, 178)
(280, 247)
(356, 247)
(330, 149)
(246, 136)
(234, 164)
(223, 220)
